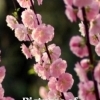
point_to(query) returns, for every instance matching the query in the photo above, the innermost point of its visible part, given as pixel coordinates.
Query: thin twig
(48, 53)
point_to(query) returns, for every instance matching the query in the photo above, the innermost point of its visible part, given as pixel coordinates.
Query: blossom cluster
(2, 76)
(87, 11)
(49, 66)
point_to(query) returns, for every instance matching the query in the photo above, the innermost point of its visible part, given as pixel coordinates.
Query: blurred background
(18, 82)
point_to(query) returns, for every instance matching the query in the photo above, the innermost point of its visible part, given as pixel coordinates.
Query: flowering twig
(90, 51)
(46, 47)
(47, 51)
(20, 21)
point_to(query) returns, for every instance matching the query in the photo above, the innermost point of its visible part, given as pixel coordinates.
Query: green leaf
(17, 9)
(31, 71)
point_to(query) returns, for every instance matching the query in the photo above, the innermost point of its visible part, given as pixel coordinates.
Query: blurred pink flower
(86, 91)
(58, 67)
(26, 51)
(40, 2)
(68, 2)
(54, 51)
(85, 64)
(53, 95)
(11, 22)
(82, 3)
(2, 73)
(92, 10)
(8, 98)
(29, 18)
(43, 92)
(95, 25)
(97, 73)
(43, 34)
(42, 70)
(70, 13)
(81, 73)
(21, 33)
(94, 39)
(78, 46)
(69, 96)
(24, 3)
(1, 92)
(65, 82)
(52, 84)
(97, 49)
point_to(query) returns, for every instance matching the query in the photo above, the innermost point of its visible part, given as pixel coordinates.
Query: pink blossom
(40, 2)
(91, 96)
(98, 2)
(53, 95)
(94, 39)
(43, 92)
(70, 13)
(69, 96)
(80, 72)
(58, 67)
(2, 73)
(39, 18)
(26, 51)
(21, 33)
(35, 52)
(8, 98)
(46, 70)
(97, 73)
(92, 10)
(29, 19)
(1, 92)
(82, 3)
(52, 84)
(99, 88)
(85, 64)
(86, 91)
(43, 34)
(65, 82)
(78, 46)
(54, 51)
(11, 22)
(42, 70)
(79, 14)
(95, 25)
(68, 2)
(38, 68)
(24, 3)
(97, 49)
